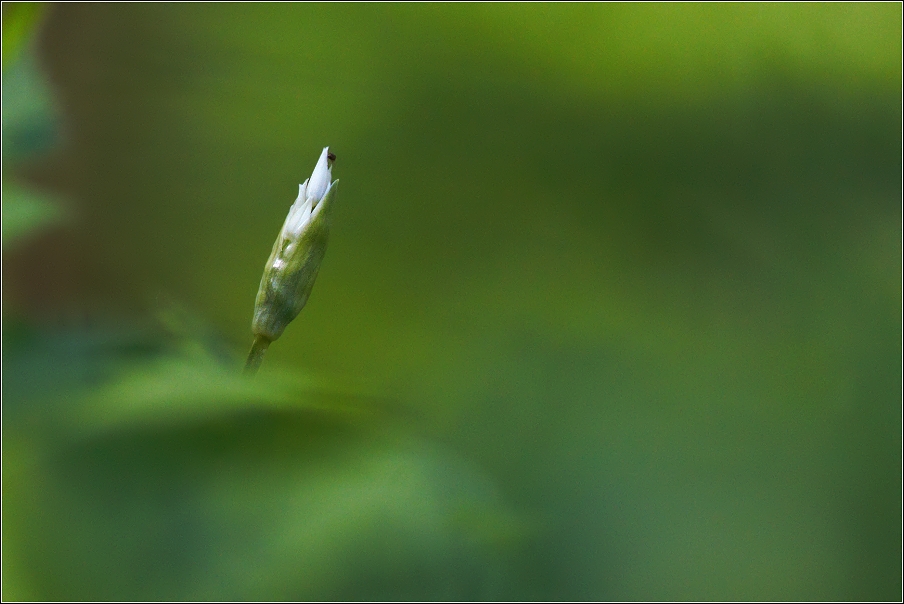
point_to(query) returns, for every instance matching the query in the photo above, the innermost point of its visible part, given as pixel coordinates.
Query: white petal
(318, 206)
(320, 178)
(299, 215)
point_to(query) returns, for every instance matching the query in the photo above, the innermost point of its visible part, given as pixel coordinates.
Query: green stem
(256, 356)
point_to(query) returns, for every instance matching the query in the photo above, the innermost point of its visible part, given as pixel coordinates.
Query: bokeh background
(611, 307)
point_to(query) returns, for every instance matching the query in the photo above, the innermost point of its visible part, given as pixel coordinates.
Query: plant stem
(256, 356)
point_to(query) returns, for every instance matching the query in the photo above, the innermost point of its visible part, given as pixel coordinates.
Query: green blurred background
(611, 307)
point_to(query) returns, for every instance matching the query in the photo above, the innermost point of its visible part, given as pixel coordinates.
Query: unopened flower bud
(293, 264)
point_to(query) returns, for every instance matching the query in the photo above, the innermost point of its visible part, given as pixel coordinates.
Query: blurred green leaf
(30, 120)
(19, 21)
(245, 488)
(26, 212)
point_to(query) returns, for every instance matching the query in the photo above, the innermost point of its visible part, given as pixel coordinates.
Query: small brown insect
(331, 156)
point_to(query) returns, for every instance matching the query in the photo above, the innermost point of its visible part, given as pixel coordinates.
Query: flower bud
(293, 264)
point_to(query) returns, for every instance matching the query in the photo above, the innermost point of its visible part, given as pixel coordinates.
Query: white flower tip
(320, 178)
